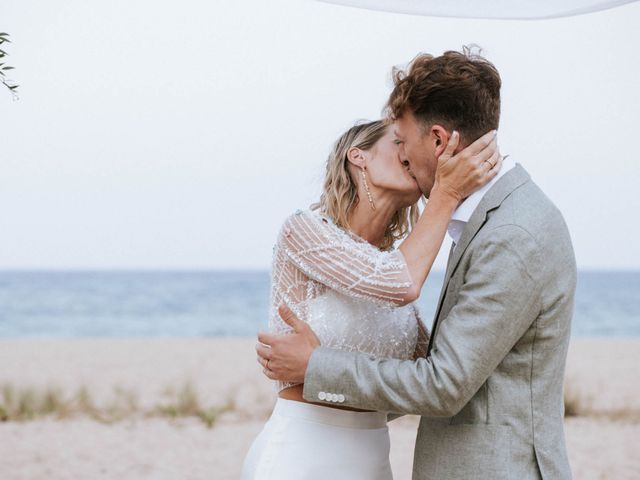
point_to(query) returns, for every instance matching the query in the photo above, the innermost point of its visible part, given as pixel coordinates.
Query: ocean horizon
(231, 303)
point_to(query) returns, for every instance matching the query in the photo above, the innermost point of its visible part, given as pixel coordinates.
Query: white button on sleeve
(341, 398)
(322, 395)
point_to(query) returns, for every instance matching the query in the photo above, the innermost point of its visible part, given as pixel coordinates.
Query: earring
(366, 187)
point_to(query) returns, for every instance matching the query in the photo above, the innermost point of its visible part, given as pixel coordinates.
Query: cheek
(420, 161)
(380, 171)
(415, 158)
(432, 165)
(385, 172)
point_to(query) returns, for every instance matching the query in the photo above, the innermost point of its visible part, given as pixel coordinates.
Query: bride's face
(388, 171)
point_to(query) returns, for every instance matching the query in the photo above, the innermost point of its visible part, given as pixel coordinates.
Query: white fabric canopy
(504, 9)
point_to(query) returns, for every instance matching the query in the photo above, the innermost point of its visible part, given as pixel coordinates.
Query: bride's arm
(456, 178)
(332, 257)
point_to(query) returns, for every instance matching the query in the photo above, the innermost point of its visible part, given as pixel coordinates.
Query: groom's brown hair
(458, 90)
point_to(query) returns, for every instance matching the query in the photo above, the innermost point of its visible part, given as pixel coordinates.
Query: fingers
(454, 140)
(492, 167)
(491, 162)
(264, 359)
(264, 351)
(481, 143)
(498, 163)
(488, 152)
(267, 338)
(262, 362)
(290, 318)
(268, 373)
(496, 168)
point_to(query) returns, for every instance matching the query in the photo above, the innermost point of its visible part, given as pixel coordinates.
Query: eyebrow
(395, 132)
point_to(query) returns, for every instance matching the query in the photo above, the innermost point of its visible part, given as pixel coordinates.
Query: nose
(402, 155)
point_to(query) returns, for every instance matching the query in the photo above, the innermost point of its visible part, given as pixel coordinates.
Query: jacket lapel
(491, 200)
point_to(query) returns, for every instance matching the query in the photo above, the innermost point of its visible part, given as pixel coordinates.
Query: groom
(490, 388)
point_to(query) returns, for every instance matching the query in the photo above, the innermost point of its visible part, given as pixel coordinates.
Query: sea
(149, 303)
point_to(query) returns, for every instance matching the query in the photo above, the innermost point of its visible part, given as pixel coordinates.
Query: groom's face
(420, 149)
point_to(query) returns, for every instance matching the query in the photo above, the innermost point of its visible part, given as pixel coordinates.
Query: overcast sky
(156, 134)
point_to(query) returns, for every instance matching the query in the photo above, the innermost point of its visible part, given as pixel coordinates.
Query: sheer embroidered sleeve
(342, 261)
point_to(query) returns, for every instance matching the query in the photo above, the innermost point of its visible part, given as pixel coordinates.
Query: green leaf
(7, 68)
(14, 86)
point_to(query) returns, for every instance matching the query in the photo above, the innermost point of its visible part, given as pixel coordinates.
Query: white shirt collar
(463, 213)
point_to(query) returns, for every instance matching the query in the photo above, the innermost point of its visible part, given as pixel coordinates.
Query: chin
(411, 198)
(426, 188)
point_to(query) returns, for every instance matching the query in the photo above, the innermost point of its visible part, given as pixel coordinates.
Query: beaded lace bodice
(345, 288)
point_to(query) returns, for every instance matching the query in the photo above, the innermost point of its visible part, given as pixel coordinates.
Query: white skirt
(302, 441)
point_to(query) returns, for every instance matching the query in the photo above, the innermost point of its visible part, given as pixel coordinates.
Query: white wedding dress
(346, 289)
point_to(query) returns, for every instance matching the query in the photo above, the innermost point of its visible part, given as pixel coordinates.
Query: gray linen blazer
(490, 390)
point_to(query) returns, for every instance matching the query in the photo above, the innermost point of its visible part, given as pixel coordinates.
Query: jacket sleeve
(498, 301)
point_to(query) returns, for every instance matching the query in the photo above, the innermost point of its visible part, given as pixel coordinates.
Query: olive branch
(3, 67)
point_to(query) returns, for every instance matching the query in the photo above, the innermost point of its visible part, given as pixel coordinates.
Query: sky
(179, 135)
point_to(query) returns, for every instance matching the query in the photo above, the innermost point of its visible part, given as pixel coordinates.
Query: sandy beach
(171, 408)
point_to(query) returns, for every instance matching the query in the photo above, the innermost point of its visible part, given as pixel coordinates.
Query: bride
(336, 268)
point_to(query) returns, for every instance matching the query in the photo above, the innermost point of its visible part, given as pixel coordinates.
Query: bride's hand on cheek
(468, 170)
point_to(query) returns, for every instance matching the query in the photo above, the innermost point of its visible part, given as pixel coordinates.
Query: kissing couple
(347, 349)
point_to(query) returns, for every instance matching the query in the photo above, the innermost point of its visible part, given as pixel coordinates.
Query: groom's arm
(497, 303)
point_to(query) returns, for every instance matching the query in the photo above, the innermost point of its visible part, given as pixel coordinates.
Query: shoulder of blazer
(506, 185)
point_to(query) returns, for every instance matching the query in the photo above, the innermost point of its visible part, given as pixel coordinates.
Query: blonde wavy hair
(340, 191)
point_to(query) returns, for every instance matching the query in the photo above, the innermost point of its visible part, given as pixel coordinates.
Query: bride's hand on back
(468, 170)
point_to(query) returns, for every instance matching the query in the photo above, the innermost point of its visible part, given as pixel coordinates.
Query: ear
(440, 137)
(356, 157)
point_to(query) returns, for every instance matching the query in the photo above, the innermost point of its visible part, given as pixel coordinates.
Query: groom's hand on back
(285, 357)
